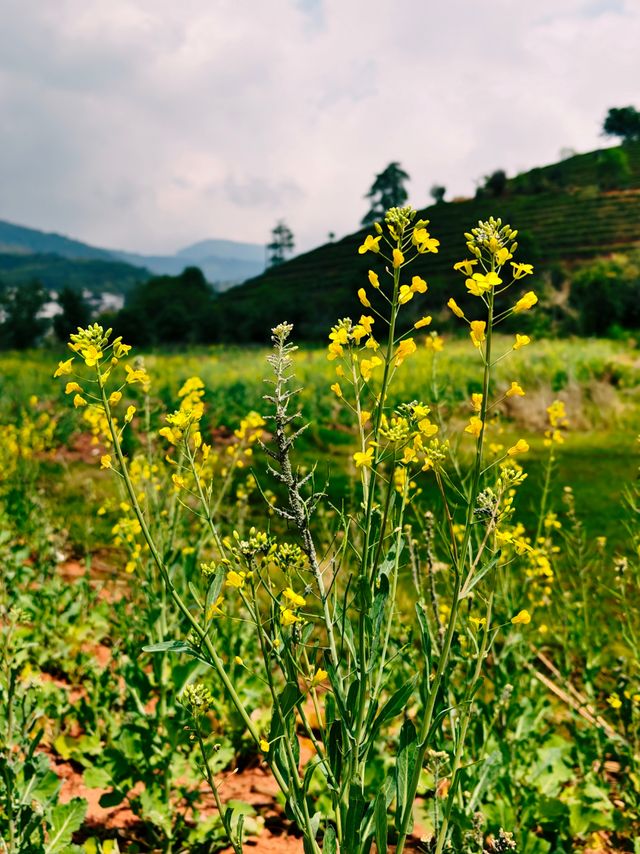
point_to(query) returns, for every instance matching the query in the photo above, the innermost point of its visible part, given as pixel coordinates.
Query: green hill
(563, 212)
(55, 272)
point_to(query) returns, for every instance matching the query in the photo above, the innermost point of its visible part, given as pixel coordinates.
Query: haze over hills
(56, 260)
(566, 213)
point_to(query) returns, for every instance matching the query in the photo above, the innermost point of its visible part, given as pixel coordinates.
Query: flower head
(474, 426)
(364, 458)
(520, 447)
(477, 332)
(521, 618)
(371, 244)
(521, 341)
(525, 303)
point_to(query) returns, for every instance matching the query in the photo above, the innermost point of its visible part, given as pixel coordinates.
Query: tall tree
(437, 193)
(387, 191)
(76, 311)
(22, 323)
(623, 122)
(282, 243)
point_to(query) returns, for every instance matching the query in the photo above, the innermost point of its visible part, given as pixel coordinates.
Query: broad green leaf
(329, 842)
(65, 819)
(405, 764)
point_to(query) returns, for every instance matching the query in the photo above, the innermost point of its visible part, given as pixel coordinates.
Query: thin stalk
(462, 734)
(446, 646)
(235, 844)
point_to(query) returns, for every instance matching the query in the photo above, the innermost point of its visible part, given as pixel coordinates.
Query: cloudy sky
(149, 124)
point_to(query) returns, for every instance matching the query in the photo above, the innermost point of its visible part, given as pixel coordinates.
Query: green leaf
(96, 778)
(213, 591)
(381, 823)
(396, 703)
(169, 646)
(480, 574)
(329, 845)
(425, 635)
(405, 764)
(334, 748)
(111, 799)
(65, 819)
(196, 595)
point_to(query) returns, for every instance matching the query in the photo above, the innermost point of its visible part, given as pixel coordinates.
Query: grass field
(555, 732)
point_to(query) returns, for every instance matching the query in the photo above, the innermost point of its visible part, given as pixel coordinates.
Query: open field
(555, 732)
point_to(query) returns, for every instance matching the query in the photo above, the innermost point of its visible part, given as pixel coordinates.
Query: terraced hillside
(568, 220)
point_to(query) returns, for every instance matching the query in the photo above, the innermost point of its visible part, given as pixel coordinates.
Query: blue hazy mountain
(225, 263)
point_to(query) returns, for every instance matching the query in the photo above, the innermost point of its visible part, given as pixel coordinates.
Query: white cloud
(146, 124)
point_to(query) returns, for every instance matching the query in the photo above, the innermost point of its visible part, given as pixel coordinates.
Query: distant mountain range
(56, 260)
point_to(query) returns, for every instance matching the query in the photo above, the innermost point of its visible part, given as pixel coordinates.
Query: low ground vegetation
(415, 613)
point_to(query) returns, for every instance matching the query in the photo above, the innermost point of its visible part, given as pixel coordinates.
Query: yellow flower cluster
(558, 422)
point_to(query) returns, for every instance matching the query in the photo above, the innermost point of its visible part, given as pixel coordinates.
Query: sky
(146, 125)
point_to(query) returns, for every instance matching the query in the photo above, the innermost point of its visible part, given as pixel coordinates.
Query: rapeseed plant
(333, 637)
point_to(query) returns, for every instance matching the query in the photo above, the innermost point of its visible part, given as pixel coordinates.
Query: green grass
(598, 458)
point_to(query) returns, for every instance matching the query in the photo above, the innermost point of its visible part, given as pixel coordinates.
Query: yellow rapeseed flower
(614, 701)
(131, 411)
(477, 328)
(465, 267)
(455, 308)
(405, 294)
(366, 321)
(515, 390)
(520, 447)
(521, 341)
(91, 355)
(476, 401)
(318, 676)
(294, 598)
(288, 618)
(525, 303)
(264, 745)
(236, 579)
(115, 397)
(502, 256)
(364, 458)
(373, 279)
(521, 618)
(335, 388)
(398, 258)
(480, 283)
(474, 426)
(371, 244)
(520, 270)
(434, 342)
(405, 348)
(367, 366)
(334, 351)
(71, 387)
(63, 368)
(78, 400)
(105, 461)
(423, 241)
(418, 285)
(424, 321)
(362, 296)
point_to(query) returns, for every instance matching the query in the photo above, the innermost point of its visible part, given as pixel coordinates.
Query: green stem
(462, 734)
(446, 646)
(236, 844)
